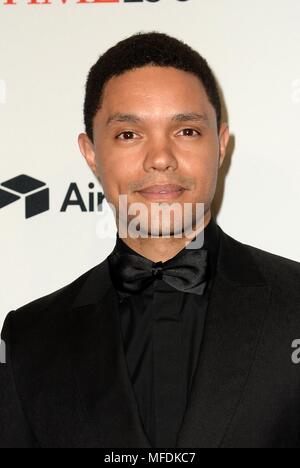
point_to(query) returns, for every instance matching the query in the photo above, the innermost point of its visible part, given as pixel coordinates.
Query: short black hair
(141, 49)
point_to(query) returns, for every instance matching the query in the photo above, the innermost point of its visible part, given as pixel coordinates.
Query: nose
(160, 157)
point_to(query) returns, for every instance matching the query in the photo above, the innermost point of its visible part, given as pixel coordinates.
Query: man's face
(143, 137)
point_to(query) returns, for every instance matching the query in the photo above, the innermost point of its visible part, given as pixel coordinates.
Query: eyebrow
(133, 118)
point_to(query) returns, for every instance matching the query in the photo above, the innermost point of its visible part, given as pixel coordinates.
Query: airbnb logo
(36, 196)
(34, 192)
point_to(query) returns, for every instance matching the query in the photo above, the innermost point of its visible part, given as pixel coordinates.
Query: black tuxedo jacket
(66, 384)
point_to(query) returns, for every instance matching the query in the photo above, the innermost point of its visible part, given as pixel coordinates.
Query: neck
(161, 249)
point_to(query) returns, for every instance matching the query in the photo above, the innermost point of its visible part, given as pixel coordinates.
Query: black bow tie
(185, 272)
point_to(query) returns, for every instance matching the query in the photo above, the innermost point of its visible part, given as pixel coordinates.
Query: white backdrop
(45, 54)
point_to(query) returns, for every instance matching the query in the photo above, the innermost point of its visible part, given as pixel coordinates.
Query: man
(169, 342)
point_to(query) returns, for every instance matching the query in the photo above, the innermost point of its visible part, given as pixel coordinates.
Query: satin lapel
(238, 304)
(100, 367)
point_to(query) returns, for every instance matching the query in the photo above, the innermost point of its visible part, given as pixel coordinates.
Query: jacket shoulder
(274, 262)
(275, 268)
(51, 306)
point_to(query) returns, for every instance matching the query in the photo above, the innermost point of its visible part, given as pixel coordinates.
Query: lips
(170, 188)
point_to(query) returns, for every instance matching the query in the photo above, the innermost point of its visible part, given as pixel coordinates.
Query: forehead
(152, 88)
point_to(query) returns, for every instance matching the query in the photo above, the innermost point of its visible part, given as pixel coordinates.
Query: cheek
(204, 171)
(201, 167)
(115, 182)
(108, 169)
(203, 157)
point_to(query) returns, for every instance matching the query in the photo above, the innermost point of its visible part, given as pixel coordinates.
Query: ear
(88, 152)
(223, 142)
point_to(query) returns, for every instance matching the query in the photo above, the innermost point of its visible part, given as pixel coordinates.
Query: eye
(125, 134)
(190, 130)
(128, 134)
